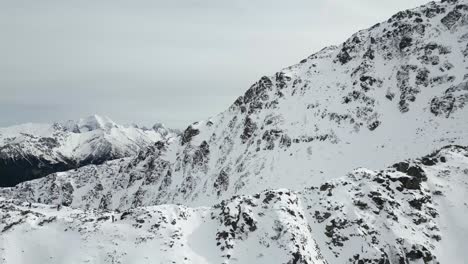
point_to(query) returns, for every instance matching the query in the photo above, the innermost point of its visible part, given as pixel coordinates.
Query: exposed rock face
(364, 217)
(32, 151)
(454, 98)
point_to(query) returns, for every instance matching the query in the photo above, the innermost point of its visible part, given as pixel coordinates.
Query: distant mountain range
(31, 151)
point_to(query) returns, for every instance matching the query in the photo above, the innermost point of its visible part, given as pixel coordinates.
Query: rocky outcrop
(410, 212)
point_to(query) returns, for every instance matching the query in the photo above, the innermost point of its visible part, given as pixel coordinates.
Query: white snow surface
(410, 213)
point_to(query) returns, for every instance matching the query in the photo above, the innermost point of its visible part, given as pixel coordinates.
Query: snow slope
(30, 151)
(412, 212)
(393, 91)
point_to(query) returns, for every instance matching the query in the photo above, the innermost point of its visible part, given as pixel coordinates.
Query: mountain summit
(90, 123)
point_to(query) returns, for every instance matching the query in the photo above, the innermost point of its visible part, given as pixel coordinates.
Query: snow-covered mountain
(31, 151)
(393, 91)
(412, 212)
(276, 172)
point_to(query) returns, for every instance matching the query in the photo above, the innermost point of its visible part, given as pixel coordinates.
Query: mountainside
(394, 91)
(412, 212)
(32, 151)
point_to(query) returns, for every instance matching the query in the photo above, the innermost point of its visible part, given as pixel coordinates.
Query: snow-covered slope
(394, 91)
(30, 151)
(412, 212)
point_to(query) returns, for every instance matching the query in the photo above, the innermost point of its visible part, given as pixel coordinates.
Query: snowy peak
(91, 123)
(163, 130)
(31, 151)
(96, 122)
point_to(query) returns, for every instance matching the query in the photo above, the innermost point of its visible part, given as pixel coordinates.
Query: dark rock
(270, 136)
(433, 11)
(451, 18)
(442, 105)
(282, 79)
(249, 129)
(401, 166)
(321, 217)
(429, 161)
(417, 172)
(326, 186)
(417, 203)
(361, 205)
(344, 56)
(200, 156)
(405, 42)
(419, 252)
(188, 134)
(372, 126)
(410, 183)
(26, 168)
(285, 141)
(222, 182)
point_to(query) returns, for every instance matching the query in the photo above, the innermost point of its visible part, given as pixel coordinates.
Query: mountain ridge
(394, 91)
(411, 212)
(30, 151)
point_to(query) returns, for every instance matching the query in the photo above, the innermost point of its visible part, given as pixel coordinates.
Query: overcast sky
(147, 61)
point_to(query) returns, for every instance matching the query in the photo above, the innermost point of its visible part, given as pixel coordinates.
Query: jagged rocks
(282, 79)
(254, 98)
(418, 203)
(344, 57)
(222, 182)
(428, 161)
(270, 136)
(416, 176)
(408, 91)
(201, 155)
(67, 194)
(451, 18)
(432, 11)
(331, 231)
(372, 126)
(249, 128)
(405, 42)
(285, 141)
(419, 252)
(454, 98)
(188, 134)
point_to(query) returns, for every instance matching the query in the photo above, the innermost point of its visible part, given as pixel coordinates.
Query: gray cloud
(147, 61)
